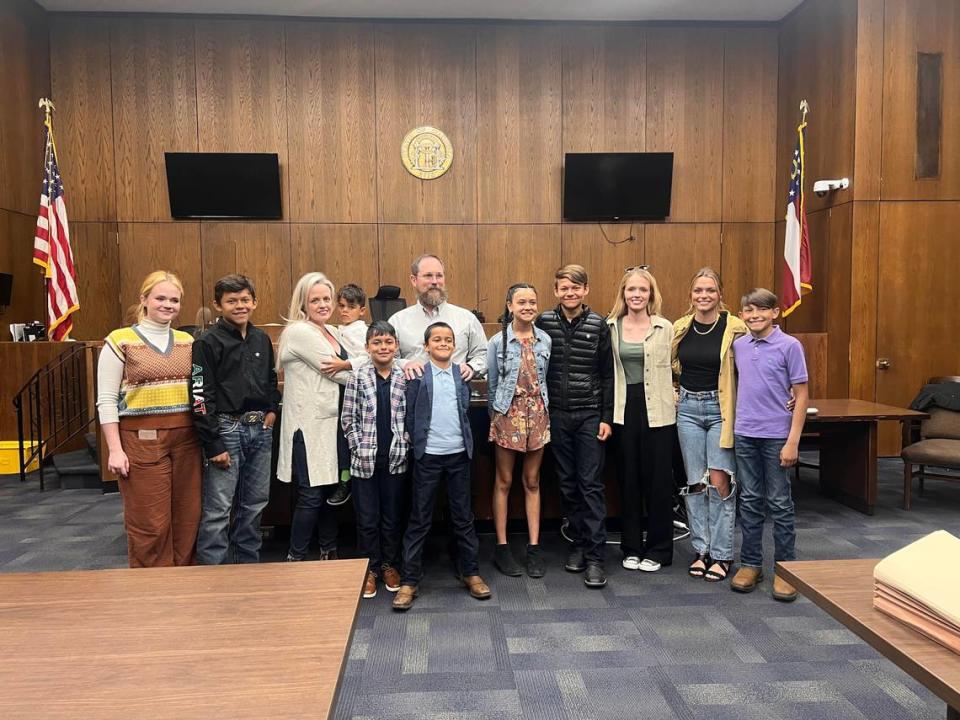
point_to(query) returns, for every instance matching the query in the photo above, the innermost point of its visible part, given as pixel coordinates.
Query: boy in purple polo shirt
(766, 437)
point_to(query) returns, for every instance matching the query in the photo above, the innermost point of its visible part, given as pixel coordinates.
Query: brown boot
(391, 578)
(404, 598)
(782, 590)
(370, 585)
(746, 579)
(477, 587)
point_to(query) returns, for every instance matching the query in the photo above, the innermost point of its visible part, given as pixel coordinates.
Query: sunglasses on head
(635, 268)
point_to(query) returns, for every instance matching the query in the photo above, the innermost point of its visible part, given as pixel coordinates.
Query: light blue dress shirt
(445, 437)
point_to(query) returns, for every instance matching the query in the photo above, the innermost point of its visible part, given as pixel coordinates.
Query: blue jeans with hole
(244, 487)
(764, 489)
(711, 517)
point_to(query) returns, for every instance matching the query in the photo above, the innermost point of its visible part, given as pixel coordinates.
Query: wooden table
(844, 588)
(234, 641)
(847, 431)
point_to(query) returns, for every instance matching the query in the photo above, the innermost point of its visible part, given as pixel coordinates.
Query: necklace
(711, 327)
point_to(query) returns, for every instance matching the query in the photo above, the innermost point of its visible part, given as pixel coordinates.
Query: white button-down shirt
(413, 320)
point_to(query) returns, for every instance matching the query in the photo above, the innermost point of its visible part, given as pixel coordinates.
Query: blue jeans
(764, 488)
(711, 517)
(243, 487)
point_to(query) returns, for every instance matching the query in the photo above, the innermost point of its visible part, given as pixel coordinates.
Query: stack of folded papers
(919, 587)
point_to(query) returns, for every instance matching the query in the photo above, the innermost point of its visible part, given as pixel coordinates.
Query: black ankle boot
(535, 567)
(503, 559)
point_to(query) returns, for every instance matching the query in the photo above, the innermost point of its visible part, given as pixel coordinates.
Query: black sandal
(712, 575)
(698, 571)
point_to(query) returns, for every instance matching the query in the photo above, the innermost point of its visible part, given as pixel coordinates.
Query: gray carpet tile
(658, 645)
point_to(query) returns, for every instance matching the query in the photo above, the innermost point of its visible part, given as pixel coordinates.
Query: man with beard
(470, 353)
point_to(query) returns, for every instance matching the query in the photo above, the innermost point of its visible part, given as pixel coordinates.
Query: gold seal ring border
(405, 152)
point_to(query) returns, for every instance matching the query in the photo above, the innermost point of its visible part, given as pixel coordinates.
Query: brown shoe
(370, 585)
(746, 579)
(782, 590)
(404, 598)
(391, 578)
(477, 587)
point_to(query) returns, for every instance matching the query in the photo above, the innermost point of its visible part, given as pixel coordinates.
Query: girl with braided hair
(517, 359)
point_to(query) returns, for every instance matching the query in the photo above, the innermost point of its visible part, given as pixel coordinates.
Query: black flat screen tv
(617, 186)
(224, 185)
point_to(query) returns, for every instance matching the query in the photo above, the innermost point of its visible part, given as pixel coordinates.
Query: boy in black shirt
(235, 399)
(580, 387)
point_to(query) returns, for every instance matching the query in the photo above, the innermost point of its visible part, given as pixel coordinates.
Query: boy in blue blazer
(442, 441)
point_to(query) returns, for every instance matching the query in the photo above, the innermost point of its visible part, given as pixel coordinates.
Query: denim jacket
(500, 389)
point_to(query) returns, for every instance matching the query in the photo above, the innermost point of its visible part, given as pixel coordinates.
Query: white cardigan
(310, 401)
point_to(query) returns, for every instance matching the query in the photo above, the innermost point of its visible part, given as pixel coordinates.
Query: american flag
(797, 278)
(51, 248)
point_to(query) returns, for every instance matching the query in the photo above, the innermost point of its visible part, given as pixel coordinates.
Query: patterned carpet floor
(655, 646)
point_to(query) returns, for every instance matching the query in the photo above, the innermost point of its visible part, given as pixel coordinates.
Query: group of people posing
(189, 424)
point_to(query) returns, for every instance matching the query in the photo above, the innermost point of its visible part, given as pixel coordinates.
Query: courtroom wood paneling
(154, 109)
(836, 282)
(869, 107)
(455, 245)
(80, 67)
(331, 122)
(426, 74)
(518, 124)
(604, 89)
(865, 256)
(24, 78)
(912, 26)
(749, 133)
(510, 254)
(96, 257)
(261, 251)
(241, 89)
(605, 252)
(746, 260)
(675, 253)
(684, 115)
(345, 253)
(175, 247)
(818, 54)
(16, 257)
(918, 267)
(19, 362)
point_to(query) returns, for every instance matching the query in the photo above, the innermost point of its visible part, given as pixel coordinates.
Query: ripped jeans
(711, 517)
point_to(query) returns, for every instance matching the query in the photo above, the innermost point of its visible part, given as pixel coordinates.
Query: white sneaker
(631, 562)
(647, 565)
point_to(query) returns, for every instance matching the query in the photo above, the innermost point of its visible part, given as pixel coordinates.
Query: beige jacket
(727, 385)
(658, 379)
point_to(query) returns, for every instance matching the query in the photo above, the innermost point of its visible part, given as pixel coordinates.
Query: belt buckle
(251, 417)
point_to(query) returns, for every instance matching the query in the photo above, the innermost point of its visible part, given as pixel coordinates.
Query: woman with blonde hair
(143, 379)
(702, 357)
(643, 406)
(312, 445)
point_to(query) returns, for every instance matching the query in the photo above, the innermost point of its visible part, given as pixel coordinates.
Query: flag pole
(47, 106)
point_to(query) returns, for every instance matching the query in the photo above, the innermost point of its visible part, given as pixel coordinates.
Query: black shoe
(503, 559)
(328, 554)
(575, 561)
(340, 495)
(595, 577)
(535, 568)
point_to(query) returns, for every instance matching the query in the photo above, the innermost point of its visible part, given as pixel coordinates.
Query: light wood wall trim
(80, 69)
(331, 117)
(154, 110)
(518, 124)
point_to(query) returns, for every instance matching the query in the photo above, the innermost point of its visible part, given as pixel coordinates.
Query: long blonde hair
(653, 304)
(298, 302)
(150, 282)
(707, 272)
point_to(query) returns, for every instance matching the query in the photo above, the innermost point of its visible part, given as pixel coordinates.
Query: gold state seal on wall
(426, 152)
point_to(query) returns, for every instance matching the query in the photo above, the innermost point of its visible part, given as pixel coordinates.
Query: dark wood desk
(844, 588)
(847, 433)
(234, 641)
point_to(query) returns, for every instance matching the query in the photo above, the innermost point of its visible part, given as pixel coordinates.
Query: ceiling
(699, 10)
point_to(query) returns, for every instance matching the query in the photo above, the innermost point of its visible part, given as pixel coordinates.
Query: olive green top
(631, 357)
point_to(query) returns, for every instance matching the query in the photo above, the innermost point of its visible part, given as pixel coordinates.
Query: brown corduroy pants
(161, 493)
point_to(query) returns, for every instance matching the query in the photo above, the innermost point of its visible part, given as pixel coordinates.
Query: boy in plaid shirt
(374, 412)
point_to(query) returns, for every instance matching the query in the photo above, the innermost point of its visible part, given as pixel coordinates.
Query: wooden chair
(938, 445)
